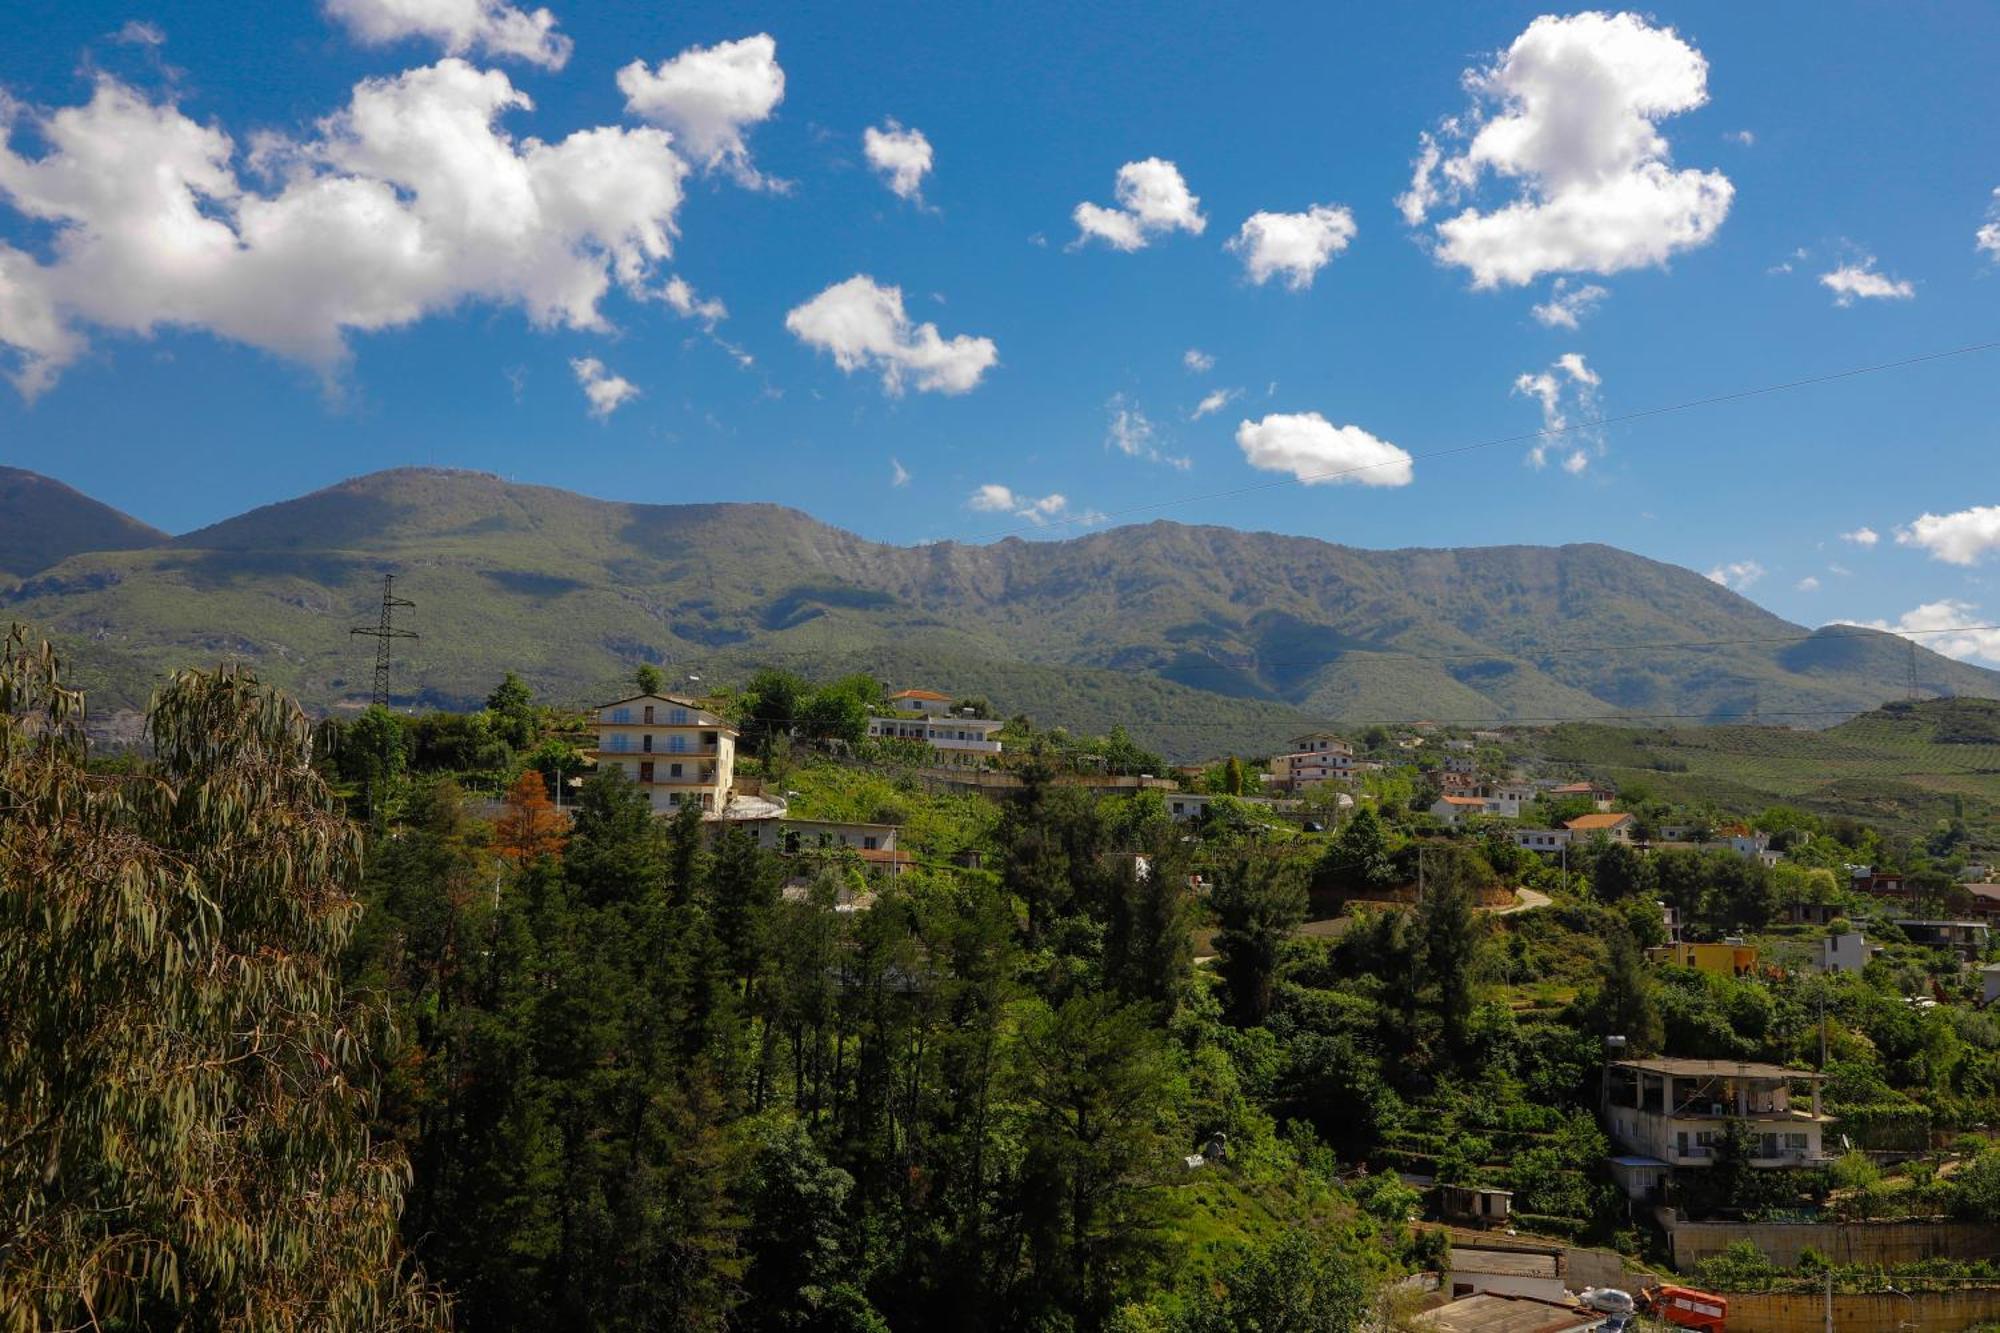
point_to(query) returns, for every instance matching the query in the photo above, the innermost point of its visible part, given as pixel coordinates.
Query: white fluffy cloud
(461, 27)
(709, 96)
(1737, 575)
(902, 156)
(1214, 401)
(1152, 199)
(1862, 536)
(863, 324)
(408, 201)
(898, 474)
(1568, 304)
(993, 498)
(607, 392)
(1923, 623)
(1197, 361)
(1569, 384)
(1294, 246)
(1987, 238)
(1807, 584)
(1317, 452)
(1568, 115)
(1862, 281)
(1962, 538)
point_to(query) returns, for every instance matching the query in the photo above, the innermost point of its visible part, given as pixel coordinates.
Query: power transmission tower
(382, 633)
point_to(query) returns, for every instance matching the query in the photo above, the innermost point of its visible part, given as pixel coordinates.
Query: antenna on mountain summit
(382, 633)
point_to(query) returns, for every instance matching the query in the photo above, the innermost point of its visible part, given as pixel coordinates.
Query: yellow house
(1722, 960)
(674, 749)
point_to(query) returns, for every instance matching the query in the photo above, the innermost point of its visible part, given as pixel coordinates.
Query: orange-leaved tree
(530, 827)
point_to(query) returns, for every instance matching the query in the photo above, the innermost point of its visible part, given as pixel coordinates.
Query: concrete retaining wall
(1864, 1243)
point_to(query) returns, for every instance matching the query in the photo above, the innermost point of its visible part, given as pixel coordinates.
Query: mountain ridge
(1270, 629)
(44, 521)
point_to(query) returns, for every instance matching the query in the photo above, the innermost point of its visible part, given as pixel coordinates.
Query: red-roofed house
(1615, 826)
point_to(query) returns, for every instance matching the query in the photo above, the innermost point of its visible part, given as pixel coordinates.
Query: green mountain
(43, 522)
(1201, 639)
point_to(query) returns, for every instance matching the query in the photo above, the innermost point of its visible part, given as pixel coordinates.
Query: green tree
(1626, 1004)
(1297, 1283)
(184, 1088)
(372, 754)
(1101, 1126)
(1618, 871)
(1233, 778)
(649, 679)
(1451, 930)
(512, 705)
(1148, 940)
(1259, 900)
(1360, 858)
(772, 705)
(797, 1244)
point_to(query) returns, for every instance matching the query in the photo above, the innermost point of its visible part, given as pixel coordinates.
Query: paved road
(1525, 900)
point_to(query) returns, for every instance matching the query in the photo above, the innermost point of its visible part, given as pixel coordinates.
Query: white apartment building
(674, 749)
(926, 715)
(1676, 1112)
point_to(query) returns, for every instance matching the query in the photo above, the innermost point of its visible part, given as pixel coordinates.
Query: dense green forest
(348, 1026)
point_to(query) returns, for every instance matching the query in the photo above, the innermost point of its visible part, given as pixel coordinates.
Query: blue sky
(1763, 193)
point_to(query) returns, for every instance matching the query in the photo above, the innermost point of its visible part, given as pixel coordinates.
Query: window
(649, 715)
(677, 743)
(646, 742)
(1796, 1143)
(621, 715)
(646, 771)
(673, 770)
(868, 842)
(678, 717)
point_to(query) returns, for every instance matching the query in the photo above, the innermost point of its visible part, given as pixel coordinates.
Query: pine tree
(1259, 900)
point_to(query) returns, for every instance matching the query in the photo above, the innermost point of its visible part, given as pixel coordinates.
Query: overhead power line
(1525, 437)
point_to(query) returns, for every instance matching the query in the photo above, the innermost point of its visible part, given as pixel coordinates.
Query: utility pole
(382, 632)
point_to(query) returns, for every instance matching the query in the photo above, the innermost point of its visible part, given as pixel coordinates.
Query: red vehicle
(1684, 1307)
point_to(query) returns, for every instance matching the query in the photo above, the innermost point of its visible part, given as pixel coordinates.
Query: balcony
(701, 777)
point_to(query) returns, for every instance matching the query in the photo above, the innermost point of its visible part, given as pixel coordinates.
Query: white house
(1506, 798)
(676, 750)
(1540, 839)
(927, 716)
(1457, 809)
(1844, 953)
(1185, 806)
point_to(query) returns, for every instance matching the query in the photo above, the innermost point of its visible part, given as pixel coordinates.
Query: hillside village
(1776, 1060)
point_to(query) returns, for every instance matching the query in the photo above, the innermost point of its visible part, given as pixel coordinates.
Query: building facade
(1678, 1112)
(675, 750)
(927, 716)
